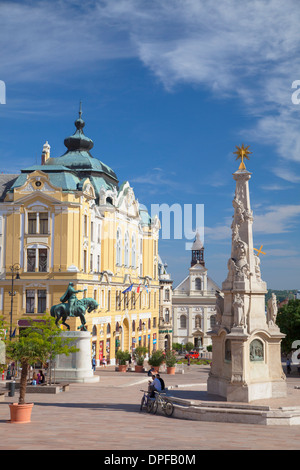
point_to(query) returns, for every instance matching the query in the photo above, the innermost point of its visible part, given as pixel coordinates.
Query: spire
(197, 251)
(78, 141)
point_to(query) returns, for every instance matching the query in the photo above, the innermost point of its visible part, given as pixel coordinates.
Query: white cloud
(232, 48)
(270, 221)
(277, 219)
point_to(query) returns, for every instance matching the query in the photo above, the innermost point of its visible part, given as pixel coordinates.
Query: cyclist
(155, 386)
(161, 381)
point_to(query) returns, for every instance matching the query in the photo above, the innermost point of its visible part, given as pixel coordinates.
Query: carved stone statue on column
(238, 308)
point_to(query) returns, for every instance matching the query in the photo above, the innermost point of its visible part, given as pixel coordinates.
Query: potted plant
(122, 357)
(139, 355)
(156, 359)
(34, 343)
(170, 359)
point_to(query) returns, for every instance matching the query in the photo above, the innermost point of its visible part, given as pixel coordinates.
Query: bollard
(12, 387)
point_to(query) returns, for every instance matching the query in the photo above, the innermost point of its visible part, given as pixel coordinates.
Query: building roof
(78, 157)
(70, 170)
(197, 245)
(6, 182)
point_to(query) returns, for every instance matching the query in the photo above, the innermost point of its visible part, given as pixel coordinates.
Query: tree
(139, 355)
(288, 320)
(41, 341)
(189, 346)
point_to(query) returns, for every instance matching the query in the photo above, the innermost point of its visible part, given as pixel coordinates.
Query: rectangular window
(84, 260)
(41, 301)
(85, 225)
(29, 301)
(91, 262)
(98, 263)
(43, 217)
(92, 231)
(32, 222)
(132, 300)
(108, 300)
(43, 260)
(31, 260)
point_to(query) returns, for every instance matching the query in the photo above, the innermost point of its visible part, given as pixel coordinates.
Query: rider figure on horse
(70, 297)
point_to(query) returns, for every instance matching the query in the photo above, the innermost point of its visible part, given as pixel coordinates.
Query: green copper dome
(78, 157)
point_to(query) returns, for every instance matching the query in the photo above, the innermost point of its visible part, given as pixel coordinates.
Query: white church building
(194, 302)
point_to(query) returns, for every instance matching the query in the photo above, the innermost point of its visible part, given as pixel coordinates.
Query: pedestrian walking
(94, 364)
(288, 366)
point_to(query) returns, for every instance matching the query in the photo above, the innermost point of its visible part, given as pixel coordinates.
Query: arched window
(212, 321)
(126, 253)
(94, 331)
(182, 321)
(198, 283)
(133, 325)
(167, 315)
(133, 251)
(108, 329)
(119, 248)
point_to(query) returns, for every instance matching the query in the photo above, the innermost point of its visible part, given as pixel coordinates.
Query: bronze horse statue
(62, 311)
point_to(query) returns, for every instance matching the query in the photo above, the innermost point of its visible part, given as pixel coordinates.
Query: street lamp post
(14, 269)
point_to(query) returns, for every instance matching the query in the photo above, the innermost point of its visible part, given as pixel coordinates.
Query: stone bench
(44, 388)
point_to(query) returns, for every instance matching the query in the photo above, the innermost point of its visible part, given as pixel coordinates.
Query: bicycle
(146, 402)
(165, 404)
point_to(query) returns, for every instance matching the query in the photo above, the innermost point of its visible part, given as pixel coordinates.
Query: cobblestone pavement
(105, 415)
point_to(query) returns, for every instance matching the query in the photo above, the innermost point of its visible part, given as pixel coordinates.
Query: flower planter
(139, 368)
(20, 413)
(122, 367)
(171, 370)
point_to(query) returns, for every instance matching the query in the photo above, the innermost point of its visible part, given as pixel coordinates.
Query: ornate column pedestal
(246, 361)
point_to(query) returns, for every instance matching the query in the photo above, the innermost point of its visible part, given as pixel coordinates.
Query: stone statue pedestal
(77, 367)
(246, 367)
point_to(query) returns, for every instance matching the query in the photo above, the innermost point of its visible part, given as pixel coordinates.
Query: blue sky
(168, 90)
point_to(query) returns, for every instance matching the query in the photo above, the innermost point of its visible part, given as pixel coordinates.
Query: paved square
(105, 415)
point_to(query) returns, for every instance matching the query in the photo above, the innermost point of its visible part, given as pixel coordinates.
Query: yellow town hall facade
(69, 220)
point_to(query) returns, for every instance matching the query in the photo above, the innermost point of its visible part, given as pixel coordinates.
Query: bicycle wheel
(168, 408)
(142, 403)
(150, 406)
(154, 407)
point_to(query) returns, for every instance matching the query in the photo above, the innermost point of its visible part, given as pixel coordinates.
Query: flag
(14, 333)
(128, 289)
(138, 288)
(146, 289)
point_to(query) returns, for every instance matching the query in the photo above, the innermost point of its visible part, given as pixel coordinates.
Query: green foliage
(177, 346)
(170, 358)
(139, 355)
(281, 294)
(203, 362)
(209, 348)
(189, 346)
(157, 358)
(41, 341)
(122, 357)
(288, 320)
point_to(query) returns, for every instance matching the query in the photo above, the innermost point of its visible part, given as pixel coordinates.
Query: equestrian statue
(72, 307)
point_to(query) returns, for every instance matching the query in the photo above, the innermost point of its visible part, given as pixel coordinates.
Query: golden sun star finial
(242, 152)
